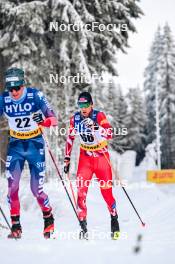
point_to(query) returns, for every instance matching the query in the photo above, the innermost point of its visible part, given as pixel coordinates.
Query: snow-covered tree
(167, 94)
(137, 122)
(26, 41)
(113, 103)
(120, 118)
(160, 73)
(150, 83)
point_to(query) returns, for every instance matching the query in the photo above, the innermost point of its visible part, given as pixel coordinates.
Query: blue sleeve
(1, 105)
(43, 105)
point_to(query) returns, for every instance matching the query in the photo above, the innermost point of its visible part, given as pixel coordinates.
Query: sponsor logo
(25, 135)
(83, 100)
(7, 164)
(16, 108)
(12, 79)
(8, 99)
(40, 94)
(40, 186)
(41, 151)
(40, 164)
(9, 158)
(161, 176)
(95, 147)
(77, 117)
(30, 95)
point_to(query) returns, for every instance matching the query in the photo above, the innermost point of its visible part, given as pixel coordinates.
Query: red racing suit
(94, 158)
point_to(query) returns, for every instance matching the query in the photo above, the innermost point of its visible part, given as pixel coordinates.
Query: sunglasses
(16, 88)
(84, 105)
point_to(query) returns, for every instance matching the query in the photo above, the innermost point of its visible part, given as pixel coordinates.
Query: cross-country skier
(94, 130)
(25, 108)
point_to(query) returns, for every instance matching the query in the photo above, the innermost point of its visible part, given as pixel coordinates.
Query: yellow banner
(161, 176)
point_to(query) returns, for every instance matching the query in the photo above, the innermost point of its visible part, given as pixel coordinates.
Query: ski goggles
(84, 105)
(16, 88)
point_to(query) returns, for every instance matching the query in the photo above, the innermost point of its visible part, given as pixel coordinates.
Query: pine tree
(150, 83)
(117, 111)
(167, 94)
(137, 122)
(160, 73)
(26, 41)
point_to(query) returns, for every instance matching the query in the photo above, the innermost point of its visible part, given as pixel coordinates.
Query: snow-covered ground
(157, 208)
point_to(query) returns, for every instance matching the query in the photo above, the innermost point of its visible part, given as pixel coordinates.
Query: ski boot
(16, 229)
(84, 232)
(115, 229)
(48, 224)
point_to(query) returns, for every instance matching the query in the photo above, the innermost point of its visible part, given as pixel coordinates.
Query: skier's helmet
(14, 77)
(85, 100)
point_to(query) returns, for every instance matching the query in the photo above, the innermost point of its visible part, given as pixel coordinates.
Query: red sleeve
(49, 121)
(70, 138)
(104, 123)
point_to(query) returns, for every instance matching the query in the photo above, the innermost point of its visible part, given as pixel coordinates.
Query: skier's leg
(36, 162)
(14, 166)
(84, 176)
(103, 173)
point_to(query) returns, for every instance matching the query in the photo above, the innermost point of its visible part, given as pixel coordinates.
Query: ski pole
(5, 218)
(143, 224)
(73, 193)
(58, 172)
(7, 222)
(110, 164)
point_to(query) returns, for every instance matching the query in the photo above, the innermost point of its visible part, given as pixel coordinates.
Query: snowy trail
(158, 244)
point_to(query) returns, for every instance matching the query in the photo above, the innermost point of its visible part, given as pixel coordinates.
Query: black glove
(67, 164)
(38, 118)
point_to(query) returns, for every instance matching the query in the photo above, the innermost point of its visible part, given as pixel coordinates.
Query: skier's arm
(105, 125)
(43, 105)
(1, 106)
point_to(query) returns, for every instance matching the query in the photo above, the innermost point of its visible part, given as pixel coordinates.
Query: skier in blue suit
(25, 108)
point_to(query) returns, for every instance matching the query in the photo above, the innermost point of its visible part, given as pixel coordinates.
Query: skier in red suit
(94, 131)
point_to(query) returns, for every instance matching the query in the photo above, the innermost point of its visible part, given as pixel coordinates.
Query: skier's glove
(88, 122)
(38, 118)
(66, 164)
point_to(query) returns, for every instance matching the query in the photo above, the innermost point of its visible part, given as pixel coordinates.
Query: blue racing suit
(26, 144)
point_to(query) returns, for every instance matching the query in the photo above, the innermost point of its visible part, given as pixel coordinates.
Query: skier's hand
(66, 164)
(88, 122)
(38, 118)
